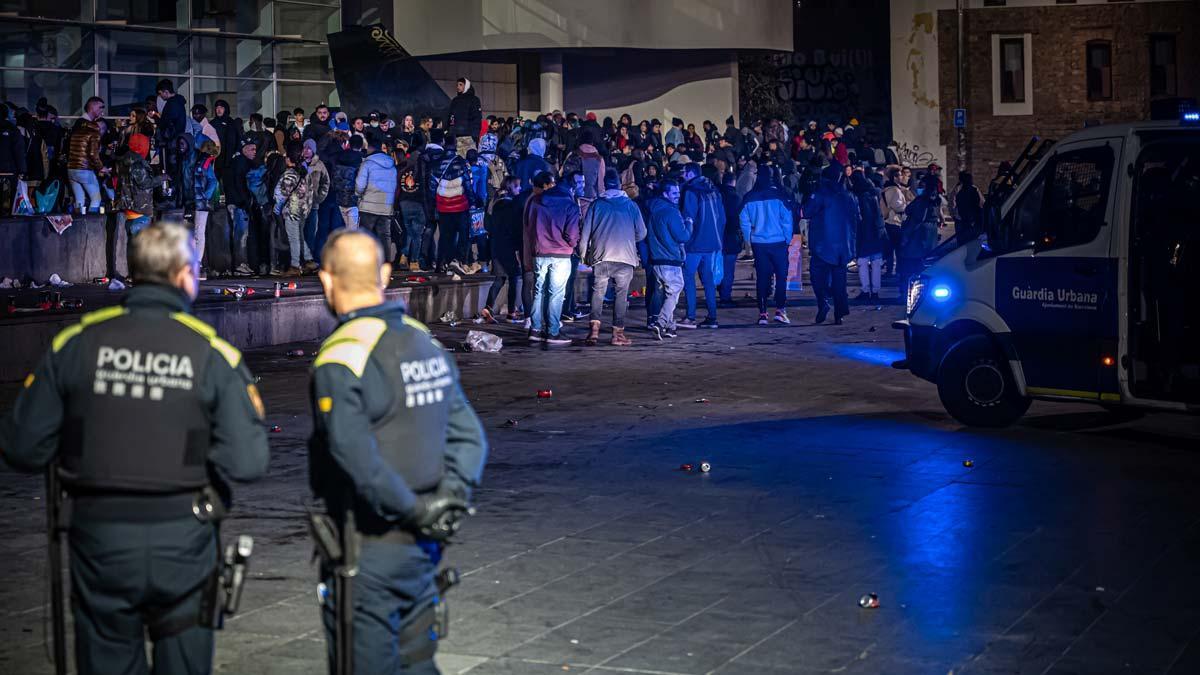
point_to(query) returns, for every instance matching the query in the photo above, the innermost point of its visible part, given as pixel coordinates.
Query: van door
(1056, 286)
(1164, 272)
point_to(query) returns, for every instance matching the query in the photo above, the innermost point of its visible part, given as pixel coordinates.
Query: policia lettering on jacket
(141, 406)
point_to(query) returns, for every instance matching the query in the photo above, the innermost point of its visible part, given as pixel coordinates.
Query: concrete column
(551, 79)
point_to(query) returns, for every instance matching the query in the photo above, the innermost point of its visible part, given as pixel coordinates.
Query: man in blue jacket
(766, 217)
(832, 223)
(666, 237)
(704, 212)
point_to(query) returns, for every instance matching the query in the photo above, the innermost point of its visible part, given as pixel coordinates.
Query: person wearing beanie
(465, 114)
(611, 230)
(316, 228)
(134, 199)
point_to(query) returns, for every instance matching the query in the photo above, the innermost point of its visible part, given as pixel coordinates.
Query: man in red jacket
(551, 234)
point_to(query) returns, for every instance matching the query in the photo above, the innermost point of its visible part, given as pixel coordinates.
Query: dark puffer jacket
(466, 115)
(871, 233)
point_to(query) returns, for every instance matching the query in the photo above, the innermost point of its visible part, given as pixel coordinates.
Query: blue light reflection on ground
(878, 356)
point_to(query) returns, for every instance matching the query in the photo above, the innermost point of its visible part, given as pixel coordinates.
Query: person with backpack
(241, 204)
(205, 188)
(453, 195)
(411, 206)
(966, 203)
(292, 203)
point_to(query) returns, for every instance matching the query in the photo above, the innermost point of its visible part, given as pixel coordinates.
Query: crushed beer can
(510, 423)
(275, 428)
(545, 393)
(100, 280)
(291, 285)
(686, 467)
(705, 467)
(278, 289)
(295, 352)
(869, 601)
(969, 463)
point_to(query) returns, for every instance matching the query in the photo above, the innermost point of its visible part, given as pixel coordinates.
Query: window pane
(137, 52)
(72, 10)
(304, 62)
(1099, 70)
(233, 16)
(64, 91)
(1076, 198)
(160, 13)
(313, 22)
(38, 46)
(1012, 70)
(122, 92)
(293, 95)
(1162, 65)
(231, 58)
(243, 96)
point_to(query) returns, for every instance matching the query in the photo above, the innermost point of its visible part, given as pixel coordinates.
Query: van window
(1065, 206)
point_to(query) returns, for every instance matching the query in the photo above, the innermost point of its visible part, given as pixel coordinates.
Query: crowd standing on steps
(559, 207)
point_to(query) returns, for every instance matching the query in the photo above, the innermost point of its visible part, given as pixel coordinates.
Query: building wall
(924, 72)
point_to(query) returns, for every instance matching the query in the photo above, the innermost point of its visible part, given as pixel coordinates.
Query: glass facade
(259, 55)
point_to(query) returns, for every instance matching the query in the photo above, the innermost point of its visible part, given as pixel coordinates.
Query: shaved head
(353, 270)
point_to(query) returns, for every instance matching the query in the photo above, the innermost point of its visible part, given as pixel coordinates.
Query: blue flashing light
(1190, 117)
(940, 292)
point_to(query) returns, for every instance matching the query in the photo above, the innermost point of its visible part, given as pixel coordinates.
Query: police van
(1084, 287)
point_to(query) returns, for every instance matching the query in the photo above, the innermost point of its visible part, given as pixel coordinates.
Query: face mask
(374, 124)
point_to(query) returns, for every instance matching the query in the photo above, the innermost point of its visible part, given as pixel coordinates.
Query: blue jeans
(86, 189)
(239, 222)
(549, 286)
(726, 285)
(702, 263)
(132, 227)
(394, 587)
(413, 215)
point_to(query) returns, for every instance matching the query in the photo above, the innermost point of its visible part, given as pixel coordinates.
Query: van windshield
(1063, 205)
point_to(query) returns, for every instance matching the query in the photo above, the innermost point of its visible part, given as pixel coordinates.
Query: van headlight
(915, 288)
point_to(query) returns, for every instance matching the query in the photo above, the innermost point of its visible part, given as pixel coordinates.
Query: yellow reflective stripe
(89, 319)
(1110, 397)
(195, 324)
(65, 336)
(351, 344)
(1071, 393)
(29, 380)
(231, 353)
(409, 321)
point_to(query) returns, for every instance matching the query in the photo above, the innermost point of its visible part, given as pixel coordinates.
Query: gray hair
(159, 252)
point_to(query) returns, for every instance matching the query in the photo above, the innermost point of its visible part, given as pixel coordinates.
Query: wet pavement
(1067, 544)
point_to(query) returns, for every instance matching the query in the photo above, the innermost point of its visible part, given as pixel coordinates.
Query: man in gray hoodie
(612, 228)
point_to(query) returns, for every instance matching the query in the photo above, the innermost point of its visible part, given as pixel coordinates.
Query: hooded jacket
(667, 235)
(593, 170)
(832, 219)
(291, 195)
(531, 164)
(237, 189)
(451, 184)
(611, 230)
(12, 149)
(375, 184)
(466, 114)
(173, 119)
(345, 171)
(229, 131)
(919, 234)
(767, 212)
(135, 184)
(871, 233)
(204, 181)
(319, 182)
(551, 225)
(702, 203)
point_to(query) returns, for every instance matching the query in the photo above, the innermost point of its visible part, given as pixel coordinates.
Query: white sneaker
(781, 316)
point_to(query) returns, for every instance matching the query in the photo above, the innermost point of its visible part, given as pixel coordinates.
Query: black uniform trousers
(130, 576)
(829, 285)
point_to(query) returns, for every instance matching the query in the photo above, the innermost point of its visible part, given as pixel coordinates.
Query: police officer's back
(394, 435)
(143, 407)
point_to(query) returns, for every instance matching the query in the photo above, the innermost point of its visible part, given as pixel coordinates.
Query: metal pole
(962, 132)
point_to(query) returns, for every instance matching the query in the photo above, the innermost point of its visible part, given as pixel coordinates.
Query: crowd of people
(527, 200)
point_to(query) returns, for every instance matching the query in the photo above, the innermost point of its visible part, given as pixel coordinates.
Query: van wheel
(977, 387)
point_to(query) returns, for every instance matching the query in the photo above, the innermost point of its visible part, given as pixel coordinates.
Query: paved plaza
(1068, 545)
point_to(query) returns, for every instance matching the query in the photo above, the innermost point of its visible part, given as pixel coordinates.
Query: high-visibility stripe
(89, 319)
(351, 344)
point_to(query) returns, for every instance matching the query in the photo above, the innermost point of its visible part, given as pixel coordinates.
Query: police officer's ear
(385, 275)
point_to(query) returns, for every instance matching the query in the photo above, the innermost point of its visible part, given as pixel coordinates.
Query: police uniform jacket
(391, 420)
(141, 403)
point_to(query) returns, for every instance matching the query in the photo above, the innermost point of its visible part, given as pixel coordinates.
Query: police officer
(143, 407)
(395, 452)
